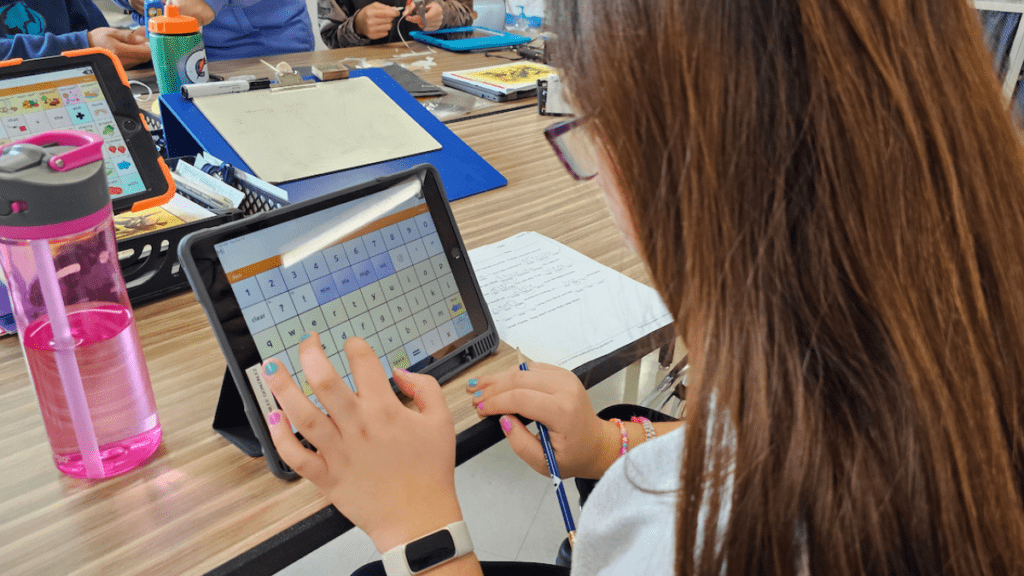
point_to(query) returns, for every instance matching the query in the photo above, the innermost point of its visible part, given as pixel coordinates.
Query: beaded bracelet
(625, 440)
(648, 427)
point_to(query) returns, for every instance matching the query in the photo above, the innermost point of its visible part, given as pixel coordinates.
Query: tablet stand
(230, 419)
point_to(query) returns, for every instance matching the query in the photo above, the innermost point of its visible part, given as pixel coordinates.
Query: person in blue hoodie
(38, 28)
(244, 28)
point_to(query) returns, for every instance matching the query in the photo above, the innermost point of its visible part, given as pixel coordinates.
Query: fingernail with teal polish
(305, 336)
(472, 383)
(270, 368)
(478, 393)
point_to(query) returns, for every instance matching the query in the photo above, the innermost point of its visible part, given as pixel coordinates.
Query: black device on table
(87, 90)
(383, 261)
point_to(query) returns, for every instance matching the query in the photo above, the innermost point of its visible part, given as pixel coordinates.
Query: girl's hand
(374, 21)
(556, 398)
(434, 17)
(388, 468)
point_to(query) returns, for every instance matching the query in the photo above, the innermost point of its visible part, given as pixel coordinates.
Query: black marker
(190, 91)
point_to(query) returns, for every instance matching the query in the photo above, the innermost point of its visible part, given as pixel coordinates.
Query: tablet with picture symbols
(382, 261)
(87, 90)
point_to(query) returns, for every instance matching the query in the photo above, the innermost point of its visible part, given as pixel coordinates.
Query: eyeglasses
(575, 148)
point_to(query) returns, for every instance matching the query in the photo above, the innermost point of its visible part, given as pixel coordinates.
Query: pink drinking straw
(67, 364)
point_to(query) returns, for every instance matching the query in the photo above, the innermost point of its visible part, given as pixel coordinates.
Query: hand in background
(130, 46)
(197, 9)
(434, 17)
(374, 21)
(387, 468)
(556, 398)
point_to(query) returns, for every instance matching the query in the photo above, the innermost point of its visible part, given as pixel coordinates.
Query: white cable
(148, 97)
(402, 38)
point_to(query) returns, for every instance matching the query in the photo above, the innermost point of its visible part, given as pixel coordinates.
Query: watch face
(430, 550)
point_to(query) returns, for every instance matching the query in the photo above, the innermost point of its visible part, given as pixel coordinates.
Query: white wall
(311, 5)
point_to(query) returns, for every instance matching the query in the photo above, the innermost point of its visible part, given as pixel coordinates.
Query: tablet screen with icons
(68, 100)
(86, 91)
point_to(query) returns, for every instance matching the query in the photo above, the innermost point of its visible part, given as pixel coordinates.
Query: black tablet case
(230, 418)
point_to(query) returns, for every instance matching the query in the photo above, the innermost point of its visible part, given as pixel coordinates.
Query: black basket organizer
(149, 262)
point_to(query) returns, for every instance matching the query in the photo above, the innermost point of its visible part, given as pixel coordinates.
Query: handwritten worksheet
(560, 307)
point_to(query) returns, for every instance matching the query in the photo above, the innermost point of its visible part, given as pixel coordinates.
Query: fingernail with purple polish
(506, 424)
(480, 407)
(274, 418)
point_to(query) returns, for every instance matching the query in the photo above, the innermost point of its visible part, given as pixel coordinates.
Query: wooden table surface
(376, 55)
(199, 501)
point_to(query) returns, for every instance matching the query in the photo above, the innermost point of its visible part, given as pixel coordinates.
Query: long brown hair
(829, 195)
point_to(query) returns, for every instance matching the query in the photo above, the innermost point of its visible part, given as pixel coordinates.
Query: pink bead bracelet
(625, 439)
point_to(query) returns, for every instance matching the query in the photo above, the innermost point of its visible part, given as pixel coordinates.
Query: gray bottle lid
(53, 178)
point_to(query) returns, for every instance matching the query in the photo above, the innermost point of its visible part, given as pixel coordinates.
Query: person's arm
(388, 468)
(444, 14)
(611, 443)
(585, 445)
(341, 27)
(456, 13)
(37, 46)
(203, 11)
(130, 46)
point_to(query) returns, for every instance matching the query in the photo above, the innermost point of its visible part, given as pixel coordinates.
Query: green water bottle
(179, 56)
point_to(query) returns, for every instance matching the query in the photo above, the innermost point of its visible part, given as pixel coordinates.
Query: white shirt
(628, 525)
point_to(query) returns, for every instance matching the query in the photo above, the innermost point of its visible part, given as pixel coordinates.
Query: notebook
(500, 83)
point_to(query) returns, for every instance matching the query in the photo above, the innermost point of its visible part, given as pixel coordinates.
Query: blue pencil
(556, 476)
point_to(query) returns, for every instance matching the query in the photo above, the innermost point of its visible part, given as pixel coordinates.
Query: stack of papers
(560, 307)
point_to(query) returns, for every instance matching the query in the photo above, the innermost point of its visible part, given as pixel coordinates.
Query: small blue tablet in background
(469, 39)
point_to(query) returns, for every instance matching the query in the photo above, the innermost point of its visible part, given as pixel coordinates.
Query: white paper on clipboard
(292, 134)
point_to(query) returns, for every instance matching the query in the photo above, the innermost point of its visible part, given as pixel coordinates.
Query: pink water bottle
(77, 328)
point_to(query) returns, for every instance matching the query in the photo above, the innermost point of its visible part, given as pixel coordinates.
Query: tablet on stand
(383, 261)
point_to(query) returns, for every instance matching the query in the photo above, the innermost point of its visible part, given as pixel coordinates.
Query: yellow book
(502, 82)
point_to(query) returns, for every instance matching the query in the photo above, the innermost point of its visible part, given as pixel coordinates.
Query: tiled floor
(510, 509)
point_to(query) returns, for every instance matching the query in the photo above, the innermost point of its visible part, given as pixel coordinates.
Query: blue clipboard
(463, 172)
(485, 39)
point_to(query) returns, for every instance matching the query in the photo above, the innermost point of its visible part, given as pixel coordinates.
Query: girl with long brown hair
(829, 195)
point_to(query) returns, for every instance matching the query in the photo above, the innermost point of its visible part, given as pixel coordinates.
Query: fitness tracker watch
(431, 550)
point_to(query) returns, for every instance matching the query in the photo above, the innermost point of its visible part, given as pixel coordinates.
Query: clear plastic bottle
(522, 23)
(77, 327)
